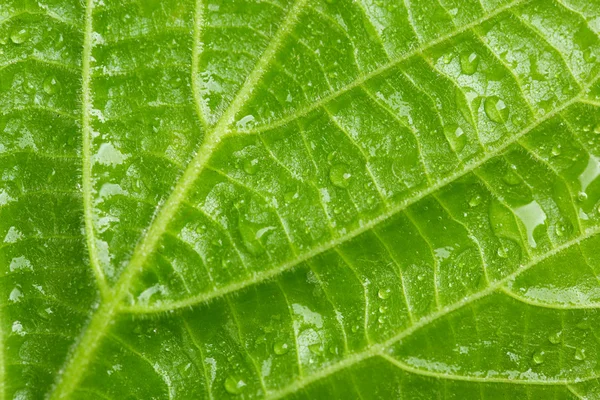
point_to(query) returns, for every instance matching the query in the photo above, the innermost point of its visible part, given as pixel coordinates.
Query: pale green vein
(381, 348)
(91, 338)
(86, 135)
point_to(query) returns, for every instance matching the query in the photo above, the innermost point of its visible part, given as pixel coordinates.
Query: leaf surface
(299, 199)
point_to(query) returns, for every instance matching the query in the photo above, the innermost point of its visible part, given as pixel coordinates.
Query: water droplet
(28, 86)
(495, 109)
(510, 178)
(538, 357)
(555, 337)
(316, 348)
(597, 129)
(448, 58)
(456, 136)
(475, 201)
(561, 229)
(384, 293)
(556, 150)
(281, 348)
(234, 385)
(354, 328)
(340, 175)
(19, 36)
(582, 196)
(469, 61)
(290, 197)
(580, 354)
(51, 85)
(383, 309)
(381, 320)
(502, 252)
(251, 166)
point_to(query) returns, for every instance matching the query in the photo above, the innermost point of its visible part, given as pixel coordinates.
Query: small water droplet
(582, 196)
(354, 328)
(448, 58)
(383, 309)
(469, 61)
(580, 354)
(475, 201)
(538, 357)
(384, 293)
(502, 252)
(51, 85)
(316, 348)
(496, 109)
(251, 166)
(556, 150)
(340, 175)
(19, 36)
(28, 86)
(561, 229)
(234, 385)
(510, 178)
(281, 348)
(555, 337)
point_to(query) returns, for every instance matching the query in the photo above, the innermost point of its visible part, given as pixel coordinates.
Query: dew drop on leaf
(510, 178)
(19, 36)
(456, 136)
(51, 85)
(281, 348)
(597, 129)
(539, 356)
(383, 309)
(582, 196)
(495, 109)
(475, 201)
(556, 150)
(555, 337)
(316, 348)
(251, 166)
(28, 86)
(580, 354)
(234, 385)
(469, 61)
(340, 175)
(502, 252)
(384, 293)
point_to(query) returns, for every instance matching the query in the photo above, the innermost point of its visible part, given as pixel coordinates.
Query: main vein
(81, 355)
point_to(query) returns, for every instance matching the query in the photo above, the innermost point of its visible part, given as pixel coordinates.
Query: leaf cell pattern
(299, 199)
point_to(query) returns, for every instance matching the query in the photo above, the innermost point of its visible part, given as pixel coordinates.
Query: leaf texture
(307, 199)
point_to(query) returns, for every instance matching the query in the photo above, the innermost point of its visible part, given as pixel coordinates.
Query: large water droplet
(532, 216)
(469, 61)
(384, 293)
(19, 36)
(496, 109)
(539, 356)
(340, 175)
(456, 136)
(234, 385)
(281, 348)
(51, 85)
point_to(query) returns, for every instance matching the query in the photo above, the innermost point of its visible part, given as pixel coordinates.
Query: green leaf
(299, 199)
